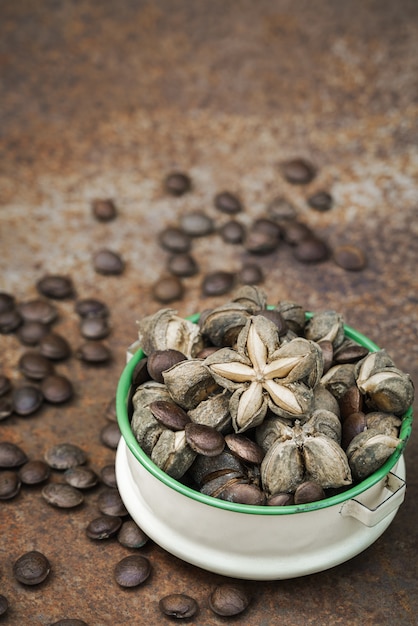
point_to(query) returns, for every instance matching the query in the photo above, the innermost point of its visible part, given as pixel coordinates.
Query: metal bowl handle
(390, 503)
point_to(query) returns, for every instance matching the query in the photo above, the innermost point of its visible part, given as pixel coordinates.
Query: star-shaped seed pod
(299, 452)
(261, 374)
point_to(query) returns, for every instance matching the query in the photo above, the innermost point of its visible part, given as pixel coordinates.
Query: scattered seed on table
(9, 321)
(108, 262)
(57, 389)
(132, 570)
(26, 399)
(167, 289)
(95, 327)
(320, 201)
(62, 496)
(7, 302)
(131, 535)
(5, 385)
(182, 264)
(110, 435)
(196, 224)
(81, 477)
(4, 604)
(298, 171)
(55, 286)
(250, 274)
(31, 332)
(232, 232)
(54, 346)
(34, 472)
(93, 352)
(9, 484)
(177, 183)
(178, 605)
(103, 527)
(90, 307)
(62, 456)
(31, 568)
(70, 622)
(311, 250)
(281, 209)
(6, 408)
(173, 239)
(350, 257)
(108, 475)
(104, 210)
(38, 310)
(11, 455)
(227, 202)
(110, 503)
(217, 283)
(35, 366)
(228, 600)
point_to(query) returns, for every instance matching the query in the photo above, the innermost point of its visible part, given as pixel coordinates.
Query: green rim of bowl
(122, 397)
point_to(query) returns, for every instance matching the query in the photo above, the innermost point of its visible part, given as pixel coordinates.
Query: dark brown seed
(5, 385)
(250, 274)
(7, 302)
(90, 307)
(350, 402)
(34, 365)
(311, 250)
(161, 360)
(94, 327)
(294, 232)
(204, 439)
(175, 240)
(104, 210)
(108, 475)
(244, 448)
(168, 289)
(38, 310)
(11, 455)
(169, 414)
(4, 605)
(62, 456)
(217, 283)
(228, 202)
(263, 236)
(243, 493)
(281, 209)
(54, 346)
(110, 412)
(353, 425)
(110, 503)
(110, 435)
(103, 527)
(9, 484)
(30, 333)
(177, 183)
(62, 496)
(10, 321)
(94, 352)
(57, 389)
(140, 374)
(108, 263)
(308, 491)
(132, 571)
(131, 536)
(232, 232)
(350, 353)
(196, 224)
(81, 477)
(277, 318)
(228, 600)
(182, 264)
(55, 286)
(327, 353)
(6, 408)
(350, 258)
(178, 605)
(281, 499)
(34, 472)
(26, 399)
(31, 568)
(298, 171)
(321, 201)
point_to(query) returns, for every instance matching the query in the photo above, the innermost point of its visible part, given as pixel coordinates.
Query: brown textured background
(103, 99)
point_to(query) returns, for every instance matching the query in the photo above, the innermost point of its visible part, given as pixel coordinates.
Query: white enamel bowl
(255, 542)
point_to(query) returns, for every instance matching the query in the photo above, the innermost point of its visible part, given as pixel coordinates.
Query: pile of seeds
(262, 405)
(279, 226)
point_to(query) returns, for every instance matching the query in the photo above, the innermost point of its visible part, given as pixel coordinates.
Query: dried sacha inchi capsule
(265, 405)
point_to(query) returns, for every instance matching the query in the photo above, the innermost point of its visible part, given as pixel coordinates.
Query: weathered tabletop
(103, 100)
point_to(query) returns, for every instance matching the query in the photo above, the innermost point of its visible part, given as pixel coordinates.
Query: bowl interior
(122, 398)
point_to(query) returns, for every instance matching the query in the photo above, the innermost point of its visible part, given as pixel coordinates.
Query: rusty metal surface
(103, 100)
